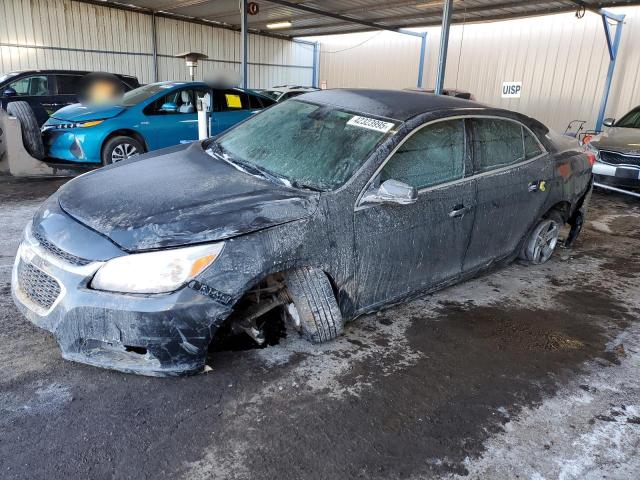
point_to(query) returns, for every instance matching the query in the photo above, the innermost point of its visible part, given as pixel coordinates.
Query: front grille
(58, 252)
(615, 158)
(41, 288)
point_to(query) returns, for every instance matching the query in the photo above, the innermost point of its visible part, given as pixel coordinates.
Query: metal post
(154, 46)
(244, 43)
(316, 65)
(613, 47)
(447, 12)
(423, 48)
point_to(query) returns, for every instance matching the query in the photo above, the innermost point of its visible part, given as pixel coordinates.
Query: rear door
(513, 173)
(404, 248)
(230, 107)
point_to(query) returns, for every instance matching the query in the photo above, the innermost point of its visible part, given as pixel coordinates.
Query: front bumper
(72, 145)
(156, 335)
(625, 176)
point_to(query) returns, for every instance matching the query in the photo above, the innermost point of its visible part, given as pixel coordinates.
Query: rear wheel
(31, 136)
(313, 310)
(120, 148)
(543, 240)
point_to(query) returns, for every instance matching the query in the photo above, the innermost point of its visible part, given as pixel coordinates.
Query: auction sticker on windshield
(370, 123)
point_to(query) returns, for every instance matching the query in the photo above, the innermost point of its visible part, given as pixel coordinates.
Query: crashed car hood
(624, 140)
(179, 196)
(82, 113)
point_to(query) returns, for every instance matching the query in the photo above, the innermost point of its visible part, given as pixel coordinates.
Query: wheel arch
(126, 132)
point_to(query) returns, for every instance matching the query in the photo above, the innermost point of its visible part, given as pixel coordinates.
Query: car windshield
(272, 94)
(317, 146)
(630, 120)
(140, 94)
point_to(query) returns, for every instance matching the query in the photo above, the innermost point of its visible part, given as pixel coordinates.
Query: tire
(31, 136)
(120, 148)
(543, 240)
(314, 310)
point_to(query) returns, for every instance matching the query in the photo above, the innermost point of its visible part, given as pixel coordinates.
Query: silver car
(617, 153)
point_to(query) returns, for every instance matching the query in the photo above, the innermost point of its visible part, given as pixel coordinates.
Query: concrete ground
(525, 372)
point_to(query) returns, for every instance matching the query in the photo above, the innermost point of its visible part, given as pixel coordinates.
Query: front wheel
(543, 240)
(313, 310)
(120, 148)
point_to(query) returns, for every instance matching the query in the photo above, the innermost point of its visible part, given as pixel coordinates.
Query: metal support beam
(444, 45)
(613, 46)
(316, 64)
(154, 46)
(344, 18)
(244, 47)
(423, 49)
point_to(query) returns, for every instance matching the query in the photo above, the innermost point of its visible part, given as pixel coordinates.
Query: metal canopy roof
(310, 18)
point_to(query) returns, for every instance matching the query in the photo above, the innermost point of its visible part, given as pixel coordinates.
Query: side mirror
(169, 107)
(391, 191)
(609, 122)
(9, 92)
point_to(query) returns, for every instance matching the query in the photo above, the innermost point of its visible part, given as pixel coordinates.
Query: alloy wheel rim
(546, 242)
(123, 151)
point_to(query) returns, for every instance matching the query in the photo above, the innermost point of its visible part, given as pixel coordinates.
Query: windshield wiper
(253, 169)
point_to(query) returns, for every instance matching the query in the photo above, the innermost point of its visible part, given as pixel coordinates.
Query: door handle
(459, 211)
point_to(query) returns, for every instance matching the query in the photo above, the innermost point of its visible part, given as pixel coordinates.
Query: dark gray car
(618, 152)
(320, 208)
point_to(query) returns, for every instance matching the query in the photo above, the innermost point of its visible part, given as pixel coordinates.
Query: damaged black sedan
(320, 208)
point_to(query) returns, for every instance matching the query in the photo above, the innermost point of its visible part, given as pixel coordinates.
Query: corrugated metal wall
(562, 62)
(75, 35)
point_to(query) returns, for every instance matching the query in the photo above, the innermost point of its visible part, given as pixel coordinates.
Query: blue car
(155, 116)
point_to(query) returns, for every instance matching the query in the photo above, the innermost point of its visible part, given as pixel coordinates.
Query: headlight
(155, 272)
(90, 123)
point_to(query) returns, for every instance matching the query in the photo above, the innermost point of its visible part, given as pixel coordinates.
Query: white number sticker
(371, 124)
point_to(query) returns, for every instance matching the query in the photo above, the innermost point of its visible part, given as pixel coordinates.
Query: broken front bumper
(155, 335)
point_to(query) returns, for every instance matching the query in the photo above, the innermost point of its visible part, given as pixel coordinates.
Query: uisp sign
(511, 89)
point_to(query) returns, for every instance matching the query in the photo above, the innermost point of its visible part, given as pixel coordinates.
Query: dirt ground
(525, 372)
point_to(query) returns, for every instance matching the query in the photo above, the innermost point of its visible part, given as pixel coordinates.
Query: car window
(230, 100)
(630, 120)
(177, 102)
(432, 155)
(68, 84)
(33, 86)
(531, 146)
(497, 143)
(256, 102)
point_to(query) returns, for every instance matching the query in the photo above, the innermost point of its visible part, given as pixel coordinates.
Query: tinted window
(140, 94)
(34, 86)
(497, 143)
(630, 120)
(531, 146)
(319, 146)
(229, 100)
(68, 84)
(433, 155)
(255, 102)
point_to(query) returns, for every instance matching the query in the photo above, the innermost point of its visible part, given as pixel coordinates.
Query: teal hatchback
(154, 116)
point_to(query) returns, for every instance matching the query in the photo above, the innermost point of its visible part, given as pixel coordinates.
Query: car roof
(58, 70)
(394, 104)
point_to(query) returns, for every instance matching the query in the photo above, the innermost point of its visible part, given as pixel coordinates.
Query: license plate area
(631, 173)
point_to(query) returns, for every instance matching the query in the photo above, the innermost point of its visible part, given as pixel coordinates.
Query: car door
(230, 107)
(172, 119)
(36, 90)
(513, 173)
(404, 248)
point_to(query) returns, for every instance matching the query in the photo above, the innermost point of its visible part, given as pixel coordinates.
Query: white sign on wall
(511, 89)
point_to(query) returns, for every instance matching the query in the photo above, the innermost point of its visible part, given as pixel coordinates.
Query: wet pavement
(530, 372)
